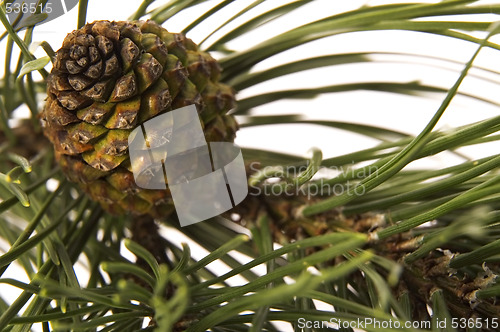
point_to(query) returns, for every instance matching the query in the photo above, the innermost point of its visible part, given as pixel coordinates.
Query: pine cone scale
(110, 77)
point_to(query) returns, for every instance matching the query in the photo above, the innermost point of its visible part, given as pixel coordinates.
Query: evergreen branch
(399, 161)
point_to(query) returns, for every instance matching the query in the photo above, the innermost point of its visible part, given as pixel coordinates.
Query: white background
(407, 114)
(404, 113)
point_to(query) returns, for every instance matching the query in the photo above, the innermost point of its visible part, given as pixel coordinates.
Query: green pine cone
(107, 79)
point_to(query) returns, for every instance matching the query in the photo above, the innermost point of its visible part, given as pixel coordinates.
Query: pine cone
(110, 77)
